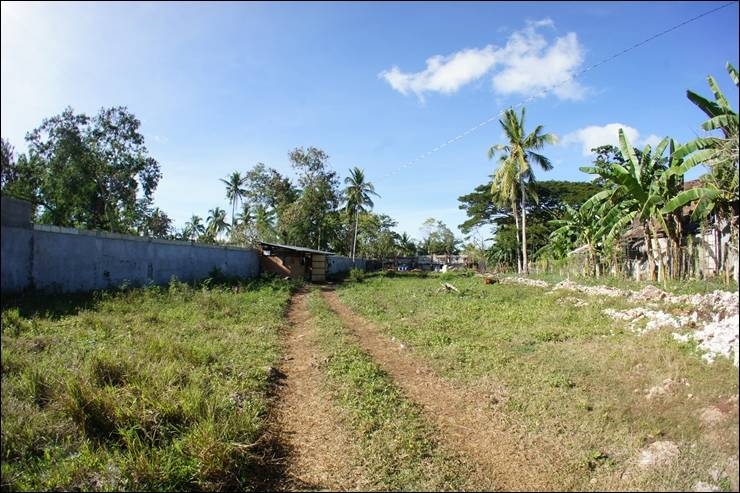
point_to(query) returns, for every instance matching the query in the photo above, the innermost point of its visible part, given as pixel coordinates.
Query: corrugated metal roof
(294, 248)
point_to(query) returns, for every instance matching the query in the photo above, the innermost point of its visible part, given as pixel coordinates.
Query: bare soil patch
(309, 448)
(505, 457)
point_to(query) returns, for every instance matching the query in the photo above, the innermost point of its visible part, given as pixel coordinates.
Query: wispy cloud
(527, 65)
(595, 136)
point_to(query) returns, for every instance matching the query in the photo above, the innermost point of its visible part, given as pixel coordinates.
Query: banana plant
(719, 190)
(637, 192)
(720, 154)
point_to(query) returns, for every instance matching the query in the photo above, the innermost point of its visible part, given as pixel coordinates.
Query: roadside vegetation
(556, 365)
(161, 388)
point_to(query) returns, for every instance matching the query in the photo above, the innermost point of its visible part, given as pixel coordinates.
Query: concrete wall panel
(69, 260)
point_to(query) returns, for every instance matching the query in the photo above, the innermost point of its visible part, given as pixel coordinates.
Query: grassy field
(674, 286)
(399, 448)
(166, 388)
(569, 375)
(150, 389)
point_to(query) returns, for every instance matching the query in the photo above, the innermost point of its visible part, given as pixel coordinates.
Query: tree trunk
(518, 243)
(525, 265)
(354, 242)
(649, 252)
(717, 245)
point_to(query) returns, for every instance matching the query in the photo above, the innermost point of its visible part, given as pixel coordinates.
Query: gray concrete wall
(338, 265)
(69, 260)
(15, 213)
(16, 246)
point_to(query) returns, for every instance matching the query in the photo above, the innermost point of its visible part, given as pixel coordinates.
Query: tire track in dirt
(311, 450)
(505, 460)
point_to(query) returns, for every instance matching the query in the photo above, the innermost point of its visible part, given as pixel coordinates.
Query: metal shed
(294, 261)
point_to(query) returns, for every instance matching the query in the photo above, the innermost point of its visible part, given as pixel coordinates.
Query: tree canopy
(86, 172)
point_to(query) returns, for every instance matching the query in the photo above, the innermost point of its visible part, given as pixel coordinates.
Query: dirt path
(311, 449)
(469, 421)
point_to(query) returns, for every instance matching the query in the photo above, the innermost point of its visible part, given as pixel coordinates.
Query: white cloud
(531, 68)
(529, 65)
(595, 136)
(651, 139)
(443, 74)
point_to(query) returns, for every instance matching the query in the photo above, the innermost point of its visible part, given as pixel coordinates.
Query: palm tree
(505, 191)
(245, 217)
(518, 153)
(194, 228)
(264, 223)
(408, 248)
(234, 191)
(357, 194)
(217, 222)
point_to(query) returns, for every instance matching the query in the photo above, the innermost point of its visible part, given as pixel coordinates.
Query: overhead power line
(531, 98)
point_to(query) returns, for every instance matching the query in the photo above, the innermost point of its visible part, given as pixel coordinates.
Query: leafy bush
(356, 275)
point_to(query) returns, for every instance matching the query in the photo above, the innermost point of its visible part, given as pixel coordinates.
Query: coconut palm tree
(264, 223)
(194, 228)
(217, 222)
(234, 191)
(357, 194)
(518, 155)
(505, 192)
(406, 244)
(245, 217)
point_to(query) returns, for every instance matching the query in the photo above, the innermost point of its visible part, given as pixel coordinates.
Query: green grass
(675, 286)
(569, 375)
(398, 447)
(150, 389)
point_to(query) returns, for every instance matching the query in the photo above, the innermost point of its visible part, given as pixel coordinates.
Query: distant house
(435, 262)
(296, 262)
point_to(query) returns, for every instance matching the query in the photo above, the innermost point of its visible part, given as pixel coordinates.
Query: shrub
(356, 275)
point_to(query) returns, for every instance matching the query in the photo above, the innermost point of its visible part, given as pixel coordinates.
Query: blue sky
(221, 86)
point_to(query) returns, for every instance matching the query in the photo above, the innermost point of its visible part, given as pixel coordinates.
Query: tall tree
(235, 191)
(313, 220)
(217, 223)
(376, 238)
(242, 227)
(8, 171)
(267, 188)
(91, 172)
(518, 155)
(156, 223)
(194, 228)
(406, 245)
(357, 194)
(438, 238)
(264, 223)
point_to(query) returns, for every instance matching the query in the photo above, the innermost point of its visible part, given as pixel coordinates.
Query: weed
(356, 275)
(572, 376)
(123, 390)
(398, 446)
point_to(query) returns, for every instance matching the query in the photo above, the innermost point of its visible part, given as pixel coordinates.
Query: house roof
(268, 246)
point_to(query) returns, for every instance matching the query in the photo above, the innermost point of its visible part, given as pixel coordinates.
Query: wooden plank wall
(318, 267)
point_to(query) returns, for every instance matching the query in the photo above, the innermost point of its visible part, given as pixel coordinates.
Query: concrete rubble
(711, 319)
